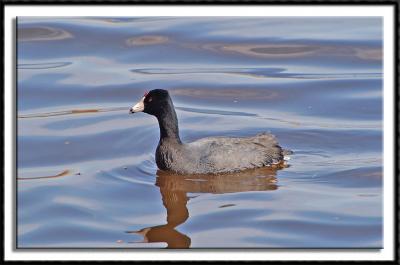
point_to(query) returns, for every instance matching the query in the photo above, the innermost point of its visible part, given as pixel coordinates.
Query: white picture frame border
(386, 11)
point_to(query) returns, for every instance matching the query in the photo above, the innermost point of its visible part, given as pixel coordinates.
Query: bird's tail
(287, 152)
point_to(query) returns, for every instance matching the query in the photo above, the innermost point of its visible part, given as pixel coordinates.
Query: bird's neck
(168, 122)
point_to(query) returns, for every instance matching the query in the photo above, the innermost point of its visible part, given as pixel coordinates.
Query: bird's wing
(237, 153)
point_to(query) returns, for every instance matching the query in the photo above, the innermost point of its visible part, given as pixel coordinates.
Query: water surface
(86, 170)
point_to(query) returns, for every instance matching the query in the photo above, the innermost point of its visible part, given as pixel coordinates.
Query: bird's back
(226, 154)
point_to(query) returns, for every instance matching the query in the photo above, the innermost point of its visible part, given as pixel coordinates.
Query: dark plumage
(207, 155)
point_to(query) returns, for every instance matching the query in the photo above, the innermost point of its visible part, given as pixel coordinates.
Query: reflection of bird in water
(174, 189)
(177, 213)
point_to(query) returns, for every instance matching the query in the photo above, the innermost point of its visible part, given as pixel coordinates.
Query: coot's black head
(153, 102)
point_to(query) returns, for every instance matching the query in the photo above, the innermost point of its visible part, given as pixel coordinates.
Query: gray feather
(219, 154)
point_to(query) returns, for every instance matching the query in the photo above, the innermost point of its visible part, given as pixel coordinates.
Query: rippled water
(86, 170)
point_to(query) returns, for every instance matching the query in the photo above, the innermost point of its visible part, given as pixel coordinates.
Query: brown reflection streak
(62, 174)
(270, 50)
(174, 189)
(287, 50)
(369, 54)
(242, 94)
(84, 111)
(42, 34)
(68, 112)
(146, 40)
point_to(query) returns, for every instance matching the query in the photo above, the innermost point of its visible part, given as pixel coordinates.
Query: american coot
(207, 155)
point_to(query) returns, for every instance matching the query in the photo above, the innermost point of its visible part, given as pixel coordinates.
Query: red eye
(150, 99)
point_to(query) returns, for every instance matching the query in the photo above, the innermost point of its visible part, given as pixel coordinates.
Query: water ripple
(41, 66)
(42, 34)
(69, 112)
(256, 72)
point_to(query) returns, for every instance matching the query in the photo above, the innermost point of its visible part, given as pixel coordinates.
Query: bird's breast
(166, 156)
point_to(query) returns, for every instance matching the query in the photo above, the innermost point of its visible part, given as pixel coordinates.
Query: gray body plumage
(218, 154)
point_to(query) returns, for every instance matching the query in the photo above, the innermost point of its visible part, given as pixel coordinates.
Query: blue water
(86, 170)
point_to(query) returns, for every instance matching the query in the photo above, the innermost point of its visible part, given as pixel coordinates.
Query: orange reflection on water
(62, 174)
